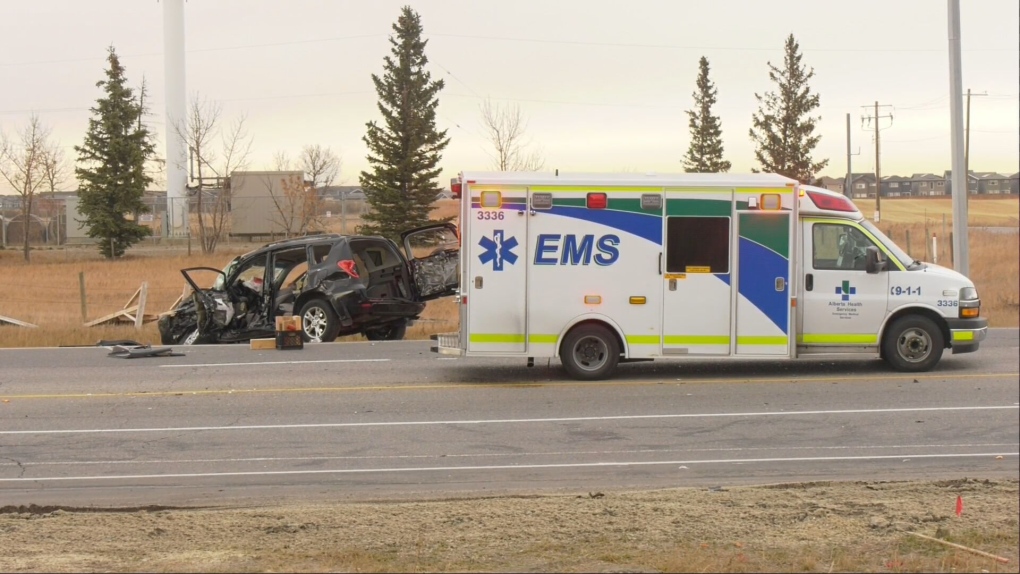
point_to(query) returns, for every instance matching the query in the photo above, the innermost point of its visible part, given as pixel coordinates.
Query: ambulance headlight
(968, 294)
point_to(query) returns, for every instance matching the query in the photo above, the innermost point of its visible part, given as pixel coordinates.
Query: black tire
(319, 323)
(590, 352)
(391, 332)
(913, 343)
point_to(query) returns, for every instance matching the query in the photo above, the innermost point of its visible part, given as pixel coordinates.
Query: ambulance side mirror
(873, 263)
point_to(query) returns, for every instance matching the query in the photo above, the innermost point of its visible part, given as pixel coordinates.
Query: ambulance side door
(842, 304)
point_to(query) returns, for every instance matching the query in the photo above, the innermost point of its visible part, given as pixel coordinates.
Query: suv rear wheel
(319, 322)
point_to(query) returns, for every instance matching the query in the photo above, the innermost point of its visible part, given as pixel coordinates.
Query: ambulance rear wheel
(590, 352)
(913, 343)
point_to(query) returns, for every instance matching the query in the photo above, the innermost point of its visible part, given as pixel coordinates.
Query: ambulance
(600, 269)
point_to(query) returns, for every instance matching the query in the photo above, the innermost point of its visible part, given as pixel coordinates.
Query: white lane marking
(510, 421)
(494, 455)
(273, 363)
(513, 466)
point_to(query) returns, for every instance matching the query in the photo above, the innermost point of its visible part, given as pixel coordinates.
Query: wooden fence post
(81, 290)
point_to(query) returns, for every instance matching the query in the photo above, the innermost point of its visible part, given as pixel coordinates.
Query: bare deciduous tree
(203, 130)
(505, 127)
(296, 205)
(321, 164)
(28, 162)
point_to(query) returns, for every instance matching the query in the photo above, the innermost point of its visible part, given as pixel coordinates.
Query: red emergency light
(597, 201)
(455, 187)
(824, 201)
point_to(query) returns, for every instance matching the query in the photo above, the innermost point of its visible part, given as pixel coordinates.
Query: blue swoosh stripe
(759, 267)
(642, 225)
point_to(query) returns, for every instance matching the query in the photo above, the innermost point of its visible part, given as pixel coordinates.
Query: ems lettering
(569, 249)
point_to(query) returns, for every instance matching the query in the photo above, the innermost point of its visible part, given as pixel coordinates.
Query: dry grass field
(46, 292)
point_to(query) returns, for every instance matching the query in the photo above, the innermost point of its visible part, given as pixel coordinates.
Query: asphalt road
(364, 421)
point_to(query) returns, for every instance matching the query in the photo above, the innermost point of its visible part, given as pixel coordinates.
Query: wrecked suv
(337, 284)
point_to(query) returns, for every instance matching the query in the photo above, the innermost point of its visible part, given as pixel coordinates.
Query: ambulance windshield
(907, 261)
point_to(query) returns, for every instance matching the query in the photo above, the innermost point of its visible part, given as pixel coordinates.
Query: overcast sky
(604, 84)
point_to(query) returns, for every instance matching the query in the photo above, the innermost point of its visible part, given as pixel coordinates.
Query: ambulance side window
(836, 246)
(698, 245)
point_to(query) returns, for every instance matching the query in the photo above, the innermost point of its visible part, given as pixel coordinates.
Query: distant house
(862, 185)
(972, 182)
(927, 184)
(896, 186)
(1014, 183)
(832, 183)
(991, 183)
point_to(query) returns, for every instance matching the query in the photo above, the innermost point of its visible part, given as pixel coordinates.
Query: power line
(194, 51)
(681, 47)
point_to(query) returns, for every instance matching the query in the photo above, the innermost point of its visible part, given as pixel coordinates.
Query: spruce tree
(705, 153)
(111, 165)
(404, 151)
(783, 127)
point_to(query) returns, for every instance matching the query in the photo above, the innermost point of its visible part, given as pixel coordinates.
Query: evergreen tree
(705, 153)
(404, 152)
(783, 127)
(111, 165)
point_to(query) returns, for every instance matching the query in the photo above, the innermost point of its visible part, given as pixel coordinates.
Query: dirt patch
(808, 527)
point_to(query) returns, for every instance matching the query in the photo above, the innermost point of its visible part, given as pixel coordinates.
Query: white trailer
(595, 269)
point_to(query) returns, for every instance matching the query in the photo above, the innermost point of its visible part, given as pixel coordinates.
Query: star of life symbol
(846, 291)
(498, 249)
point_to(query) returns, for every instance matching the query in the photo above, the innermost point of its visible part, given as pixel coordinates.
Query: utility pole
(847, 187)
(961, 257)
(878, 154)
(966, 145)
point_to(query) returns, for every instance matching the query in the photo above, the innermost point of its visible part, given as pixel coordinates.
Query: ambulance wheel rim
(591, 353)
(914, 345)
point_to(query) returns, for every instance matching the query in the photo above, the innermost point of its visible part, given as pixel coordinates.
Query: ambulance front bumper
(965, 335)
(447, 344)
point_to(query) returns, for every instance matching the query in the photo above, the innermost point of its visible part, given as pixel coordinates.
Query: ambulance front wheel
(913, 343)
(590, 352)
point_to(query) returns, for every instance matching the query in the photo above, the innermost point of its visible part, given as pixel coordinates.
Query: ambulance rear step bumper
(447, 344)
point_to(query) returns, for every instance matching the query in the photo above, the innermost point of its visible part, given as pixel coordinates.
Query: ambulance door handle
(660, 263)
(520, 212)
(809, 282)
(478, 282)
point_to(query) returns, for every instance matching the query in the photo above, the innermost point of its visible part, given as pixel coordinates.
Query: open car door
(433, 252)
(213, 307)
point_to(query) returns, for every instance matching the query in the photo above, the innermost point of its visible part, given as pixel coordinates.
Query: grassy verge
(814, 527)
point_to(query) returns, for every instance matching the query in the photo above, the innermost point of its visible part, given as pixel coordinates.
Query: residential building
(832, 183)
(927, 184)
(862, 185)
(991, 183)
(972, 181)
(896, 186)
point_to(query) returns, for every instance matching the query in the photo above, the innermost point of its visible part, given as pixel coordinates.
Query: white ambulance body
(595, 269)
